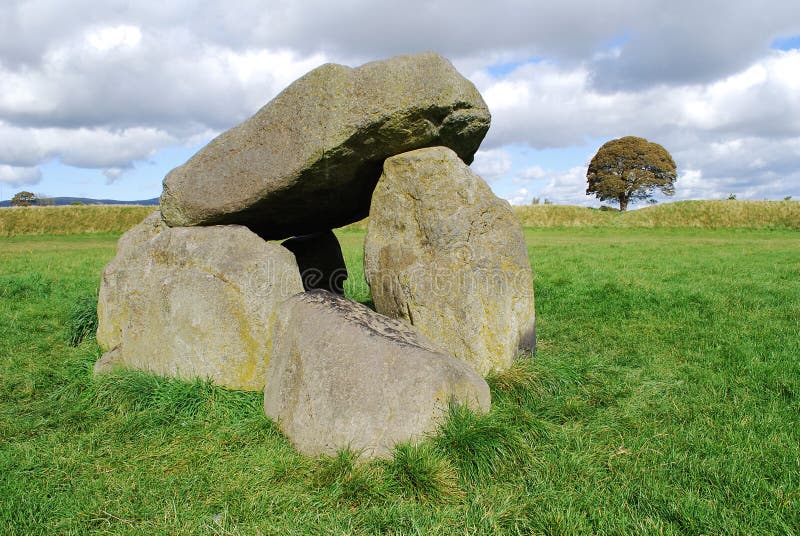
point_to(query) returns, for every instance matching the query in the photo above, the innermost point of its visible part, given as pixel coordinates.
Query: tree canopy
(23, 199)
(630, 168)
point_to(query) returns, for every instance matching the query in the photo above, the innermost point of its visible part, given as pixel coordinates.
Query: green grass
(664, 399)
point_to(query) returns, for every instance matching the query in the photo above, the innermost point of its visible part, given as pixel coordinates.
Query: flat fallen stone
(443, 253)
(309, 160)
(343, 376)
(193, 303)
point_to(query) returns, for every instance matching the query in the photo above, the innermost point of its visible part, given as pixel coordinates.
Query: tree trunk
(623, 203)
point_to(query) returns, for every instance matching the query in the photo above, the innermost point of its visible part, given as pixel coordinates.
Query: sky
(102, 98)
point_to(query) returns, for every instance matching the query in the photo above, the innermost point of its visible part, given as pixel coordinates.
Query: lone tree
(630, 168)
(23, 199)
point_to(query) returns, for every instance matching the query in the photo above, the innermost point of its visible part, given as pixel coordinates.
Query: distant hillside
(63, 201)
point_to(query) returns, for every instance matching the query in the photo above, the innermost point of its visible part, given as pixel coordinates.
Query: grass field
(664, 399)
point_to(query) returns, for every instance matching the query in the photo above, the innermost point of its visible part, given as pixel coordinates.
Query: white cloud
(556, 186)
(520, 197)
(101, 85)
(694, 43)
(113, 174)
(548, 105)
(111, 37)
(18, 175)
(568, 187)
(752, 167)
(742, 132)
(83, 147)
(168, 81)
(692, 185)
(533, 173)
(716, 36)
(492, 164)
(508, 95)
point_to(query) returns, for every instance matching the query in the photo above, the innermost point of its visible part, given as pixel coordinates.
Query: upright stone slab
(319, 257)
(445, 254)
(308, 160)
(193, 302)
(343, 376)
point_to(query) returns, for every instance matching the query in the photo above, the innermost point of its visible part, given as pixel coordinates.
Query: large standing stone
(342, 376)
(442, 252)
(194, 302)
(308, 160)
(319, 257)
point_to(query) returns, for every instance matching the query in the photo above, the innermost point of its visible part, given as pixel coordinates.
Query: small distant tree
(23, 199)
(44, 200)
(630, 168)
(787, 198)
(732, 197)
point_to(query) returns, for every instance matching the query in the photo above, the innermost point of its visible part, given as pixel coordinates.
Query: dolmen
(238, 277)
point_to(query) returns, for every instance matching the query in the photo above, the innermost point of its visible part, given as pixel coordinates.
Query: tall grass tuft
(82, 320)
(479, 446)
(518, 383)
(136, 391)
(347, 480)
(421, 472)
(336, 469)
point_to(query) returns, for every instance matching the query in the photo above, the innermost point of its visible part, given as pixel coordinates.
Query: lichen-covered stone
(193, 302)
(341, 375)
(445, 254)
(319, 257)
(308, 160)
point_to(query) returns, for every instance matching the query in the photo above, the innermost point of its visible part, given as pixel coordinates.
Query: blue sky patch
(786, 43)
(618, 41)
(143, 181)
(499, 70)
(553, 161)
